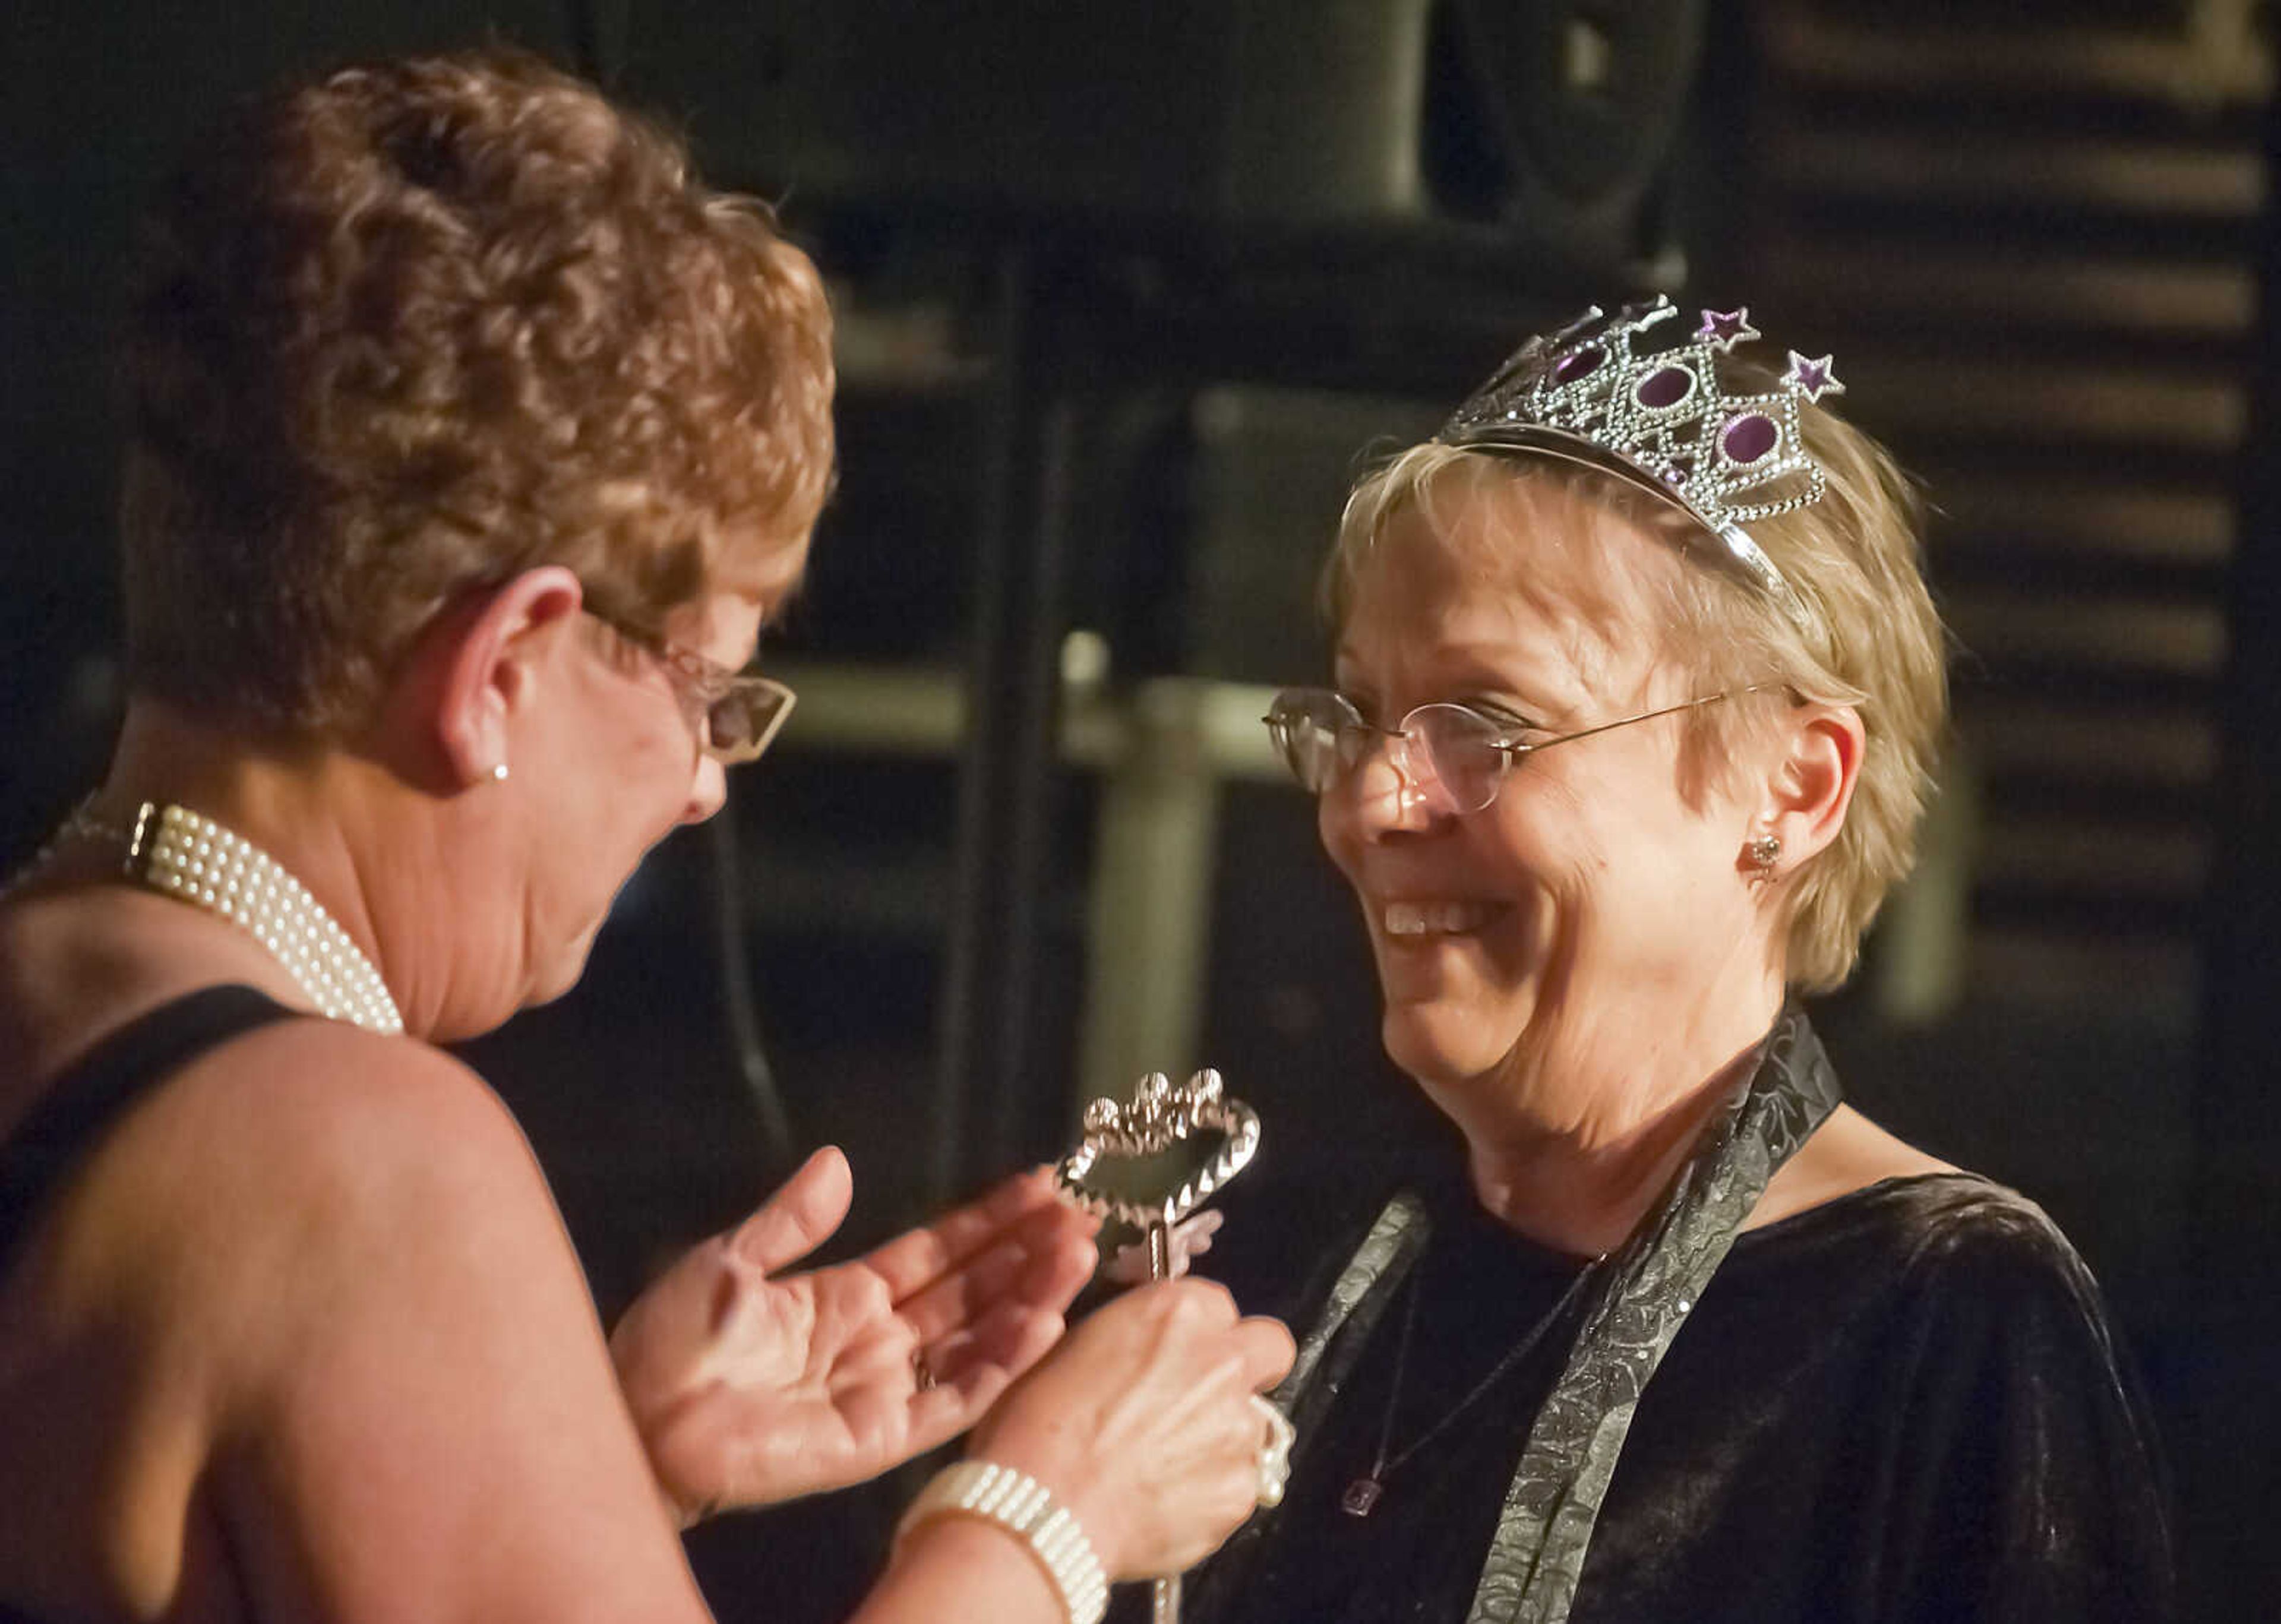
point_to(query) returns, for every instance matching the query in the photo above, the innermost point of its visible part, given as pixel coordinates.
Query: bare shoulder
(318, 1287)
(308, 1104)
(367, 1116)
(1847, 1153)
(235, 1204)
(343, 1185)
(418, 1407)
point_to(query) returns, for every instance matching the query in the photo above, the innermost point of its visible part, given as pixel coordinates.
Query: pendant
(1362, 1497)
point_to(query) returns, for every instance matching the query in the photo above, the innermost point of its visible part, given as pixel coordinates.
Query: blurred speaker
(1553, 119)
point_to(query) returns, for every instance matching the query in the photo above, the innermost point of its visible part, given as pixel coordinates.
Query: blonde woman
(1637, 691)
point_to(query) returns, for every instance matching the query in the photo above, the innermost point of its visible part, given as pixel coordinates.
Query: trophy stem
(1156, 1120)
(1160, 1251)
(1165, 1594)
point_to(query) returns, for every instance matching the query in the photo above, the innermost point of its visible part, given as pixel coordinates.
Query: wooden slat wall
(2029, 246)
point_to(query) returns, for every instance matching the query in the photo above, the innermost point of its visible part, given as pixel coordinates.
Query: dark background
(1124, 292)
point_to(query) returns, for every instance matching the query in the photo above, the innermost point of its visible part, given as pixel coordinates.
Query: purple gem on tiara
(1666, 386)
(1748, 438)
(1578, 364)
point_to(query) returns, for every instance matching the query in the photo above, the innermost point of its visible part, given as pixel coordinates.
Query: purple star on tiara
(1814, 379)
(1723, 329)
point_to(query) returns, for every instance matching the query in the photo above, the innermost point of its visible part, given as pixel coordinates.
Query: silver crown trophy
(1151, 1161)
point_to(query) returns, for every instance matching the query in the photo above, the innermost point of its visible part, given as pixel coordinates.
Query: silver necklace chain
(1363, 1494)
(182, 853)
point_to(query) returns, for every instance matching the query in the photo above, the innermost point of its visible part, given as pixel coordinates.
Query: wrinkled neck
(1587, 1144)
(336, 821)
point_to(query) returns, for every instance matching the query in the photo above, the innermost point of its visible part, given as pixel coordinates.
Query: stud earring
(1763, 850)
(498, 772)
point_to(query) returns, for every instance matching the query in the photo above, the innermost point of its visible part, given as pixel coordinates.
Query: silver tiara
(1660, 422)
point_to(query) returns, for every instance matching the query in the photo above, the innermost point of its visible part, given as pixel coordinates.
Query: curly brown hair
(419, 325)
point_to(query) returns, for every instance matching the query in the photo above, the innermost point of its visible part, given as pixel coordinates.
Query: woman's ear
(1803, 803)
(488, 661)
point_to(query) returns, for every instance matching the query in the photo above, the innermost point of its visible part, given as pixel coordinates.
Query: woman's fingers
(1009, 1339)
(1145, 1420)
(914, 1260)
(1191, 1239)
(1043, 1262)
(1266, 1349)
(800, 1216)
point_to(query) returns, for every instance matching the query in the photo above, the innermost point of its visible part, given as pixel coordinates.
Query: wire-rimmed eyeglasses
(1451, 755)
(737, 714)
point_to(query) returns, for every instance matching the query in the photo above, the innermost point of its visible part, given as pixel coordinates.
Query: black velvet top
(1905, 1404)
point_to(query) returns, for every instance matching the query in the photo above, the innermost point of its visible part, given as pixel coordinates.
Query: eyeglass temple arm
(1517, 748)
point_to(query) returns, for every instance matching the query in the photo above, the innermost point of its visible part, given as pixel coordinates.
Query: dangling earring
(1763, 850)
(498, 772)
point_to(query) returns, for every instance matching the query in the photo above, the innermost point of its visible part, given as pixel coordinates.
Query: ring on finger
(1274, 1452)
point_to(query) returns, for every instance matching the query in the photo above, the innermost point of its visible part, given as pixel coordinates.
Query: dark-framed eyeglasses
(736, 714)
(1451, 755)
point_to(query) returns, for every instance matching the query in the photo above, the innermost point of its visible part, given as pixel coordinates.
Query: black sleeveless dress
(84, 1105)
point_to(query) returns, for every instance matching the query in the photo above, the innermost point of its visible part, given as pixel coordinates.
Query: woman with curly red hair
(472, 443)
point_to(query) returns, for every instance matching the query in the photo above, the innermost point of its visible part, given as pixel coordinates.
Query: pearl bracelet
(1019, 1503)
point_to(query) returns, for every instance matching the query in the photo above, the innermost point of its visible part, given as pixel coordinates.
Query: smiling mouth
(1422, 919)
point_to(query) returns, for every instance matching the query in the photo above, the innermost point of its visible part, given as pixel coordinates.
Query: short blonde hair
(1871, 639)
(419, 325)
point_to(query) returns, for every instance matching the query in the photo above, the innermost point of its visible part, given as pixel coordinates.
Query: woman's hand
(1142, 1422)
(1191, 1239)
(749, 1389)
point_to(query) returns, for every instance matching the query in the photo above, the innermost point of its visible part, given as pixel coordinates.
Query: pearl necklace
(175, 851)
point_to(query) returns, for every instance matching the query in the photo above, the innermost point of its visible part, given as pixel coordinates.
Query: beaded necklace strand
(182, 853)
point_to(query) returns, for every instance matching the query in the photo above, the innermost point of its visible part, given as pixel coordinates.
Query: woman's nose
(709, 790)
(1390, 790)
